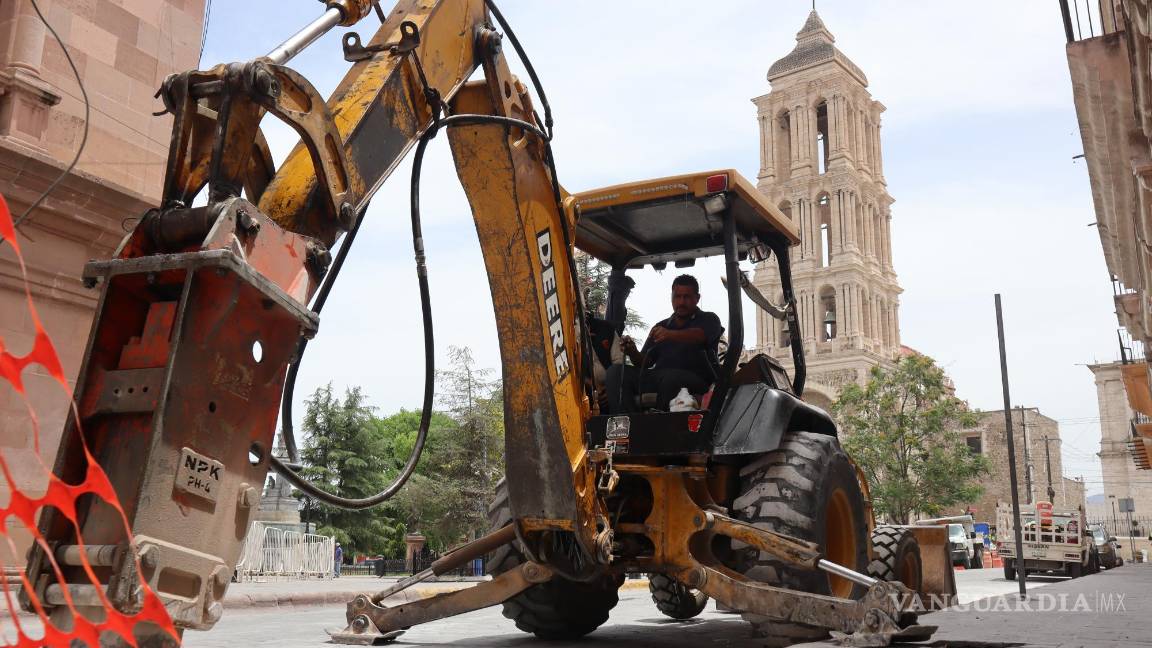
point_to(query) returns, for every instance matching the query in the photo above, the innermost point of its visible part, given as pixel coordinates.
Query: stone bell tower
(820, 162)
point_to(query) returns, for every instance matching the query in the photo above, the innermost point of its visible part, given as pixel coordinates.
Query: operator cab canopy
(676, 219)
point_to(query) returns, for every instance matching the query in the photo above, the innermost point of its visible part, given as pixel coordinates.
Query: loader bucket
(938, 589)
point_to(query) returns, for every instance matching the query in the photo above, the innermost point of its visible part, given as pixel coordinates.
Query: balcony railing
(1090, 18)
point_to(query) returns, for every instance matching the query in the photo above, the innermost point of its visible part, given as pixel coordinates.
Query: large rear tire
(559, 609)
(897, 557)
(806, 489)
(1009, 569)
(675, 599)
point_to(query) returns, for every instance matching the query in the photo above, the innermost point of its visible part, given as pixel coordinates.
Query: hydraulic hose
(286, 471)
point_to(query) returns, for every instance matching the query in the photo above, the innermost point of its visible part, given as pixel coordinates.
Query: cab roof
(667, 220)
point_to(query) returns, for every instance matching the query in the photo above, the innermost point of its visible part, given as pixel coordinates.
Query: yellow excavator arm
(205, 310)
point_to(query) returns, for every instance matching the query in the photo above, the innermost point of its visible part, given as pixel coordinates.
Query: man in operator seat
(679, 353)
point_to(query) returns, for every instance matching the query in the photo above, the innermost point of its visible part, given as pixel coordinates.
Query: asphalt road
(635, 623)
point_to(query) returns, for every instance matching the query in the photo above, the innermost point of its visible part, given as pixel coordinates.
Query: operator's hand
(660, 334)
(628, 345)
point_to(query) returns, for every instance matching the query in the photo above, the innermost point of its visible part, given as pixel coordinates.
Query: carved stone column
(24, 97)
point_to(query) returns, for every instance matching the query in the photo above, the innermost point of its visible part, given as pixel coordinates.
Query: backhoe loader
(205, 313)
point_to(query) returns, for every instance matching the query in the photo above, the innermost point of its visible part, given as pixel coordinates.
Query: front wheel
(978, 559)
(674, 599)
(806, 489)
(1009, 569)
(556, 610)
(897, 557)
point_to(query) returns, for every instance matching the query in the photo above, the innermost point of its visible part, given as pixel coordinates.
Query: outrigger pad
(362, 632)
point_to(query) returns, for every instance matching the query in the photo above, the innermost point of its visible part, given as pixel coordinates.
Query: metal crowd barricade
(271, 551)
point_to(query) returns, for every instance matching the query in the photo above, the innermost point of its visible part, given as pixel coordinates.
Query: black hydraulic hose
(287, 431)
(307, 487)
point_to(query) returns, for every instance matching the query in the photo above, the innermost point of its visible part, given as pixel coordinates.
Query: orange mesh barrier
(63, 497)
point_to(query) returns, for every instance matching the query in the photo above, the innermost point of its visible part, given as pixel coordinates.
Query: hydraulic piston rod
(296, 43)
(844, 572)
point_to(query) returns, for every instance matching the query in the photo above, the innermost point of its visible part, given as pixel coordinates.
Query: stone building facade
(1037, 441)
(821, 163)
(123, 50)
(1122, 477)
(1112, 89)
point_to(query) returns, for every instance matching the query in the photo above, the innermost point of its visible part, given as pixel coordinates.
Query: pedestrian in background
(337, 560)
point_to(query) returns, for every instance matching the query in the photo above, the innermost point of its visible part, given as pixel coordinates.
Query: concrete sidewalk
(1112, 608)
(272, 593)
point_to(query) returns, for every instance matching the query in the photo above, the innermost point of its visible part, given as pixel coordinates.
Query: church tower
(821, 163)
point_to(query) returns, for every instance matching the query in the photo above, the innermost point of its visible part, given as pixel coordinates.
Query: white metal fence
(269, 551)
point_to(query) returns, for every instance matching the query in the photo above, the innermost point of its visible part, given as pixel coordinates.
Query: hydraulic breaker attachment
(372, 624)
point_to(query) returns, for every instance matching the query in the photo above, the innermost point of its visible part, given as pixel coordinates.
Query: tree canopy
(350, 451)
(904, 431)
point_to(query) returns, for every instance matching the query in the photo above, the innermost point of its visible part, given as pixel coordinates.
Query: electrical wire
(204, 33)
(83, 138)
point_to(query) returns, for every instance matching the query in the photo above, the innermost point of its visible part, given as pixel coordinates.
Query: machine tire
(675, 599)
(1009, 569)
(806, 489)
(1075, 570)
(897, 557)
(978, 559)
(559, 609)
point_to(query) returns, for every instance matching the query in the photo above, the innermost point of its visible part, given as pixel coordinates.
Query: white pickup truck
(1055, 540)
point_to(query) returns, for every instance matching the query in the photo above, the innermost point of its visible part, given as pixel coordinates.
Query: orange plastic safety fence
(63, 497)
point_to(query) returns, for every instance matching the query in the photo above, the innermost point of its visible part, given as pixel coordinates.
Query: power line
(204, 33)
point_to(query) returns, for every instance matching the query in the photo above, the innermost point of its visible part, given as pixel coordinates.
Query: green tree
(344, 452)
(423, 503)
(593, 274)
(903, 430)
(472, 460)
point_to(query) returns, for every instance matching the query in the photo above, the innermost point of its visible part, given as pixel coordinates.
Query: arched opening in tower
(822, 137)
(824, 217)
(829, 323)
(784, 146)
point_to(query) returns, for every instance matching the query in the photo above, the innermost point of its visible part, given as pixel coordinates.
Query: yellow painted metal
(379, 108)
(694, 184)
(521, 232)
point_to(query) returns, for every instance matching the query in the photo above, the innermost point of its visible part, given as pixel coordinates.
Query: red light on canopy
(717, 183)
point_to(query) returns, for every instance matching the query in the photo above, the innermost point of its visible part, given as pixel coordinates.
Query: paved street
(635, 623)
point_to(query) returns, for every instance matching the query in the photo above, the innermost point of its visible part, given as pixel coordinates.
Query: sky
(979, 140)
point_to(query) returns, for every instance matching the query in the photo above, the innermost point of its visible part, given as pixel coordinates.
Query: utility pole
(1027, 456)
(1017, 527)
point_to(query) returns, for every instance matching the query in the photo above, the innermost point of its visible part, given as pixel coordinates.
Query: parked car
(1107, 548)
(960, 546)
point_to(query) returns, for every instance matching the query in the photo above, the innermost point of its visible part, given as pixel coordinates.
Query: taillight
(717, 183)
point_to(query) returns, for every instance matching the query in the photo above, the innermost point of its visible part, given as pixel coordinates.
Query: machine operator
(680, 352)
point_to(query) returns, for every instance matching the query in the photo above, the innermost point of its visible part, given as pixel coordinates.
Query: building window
(784, 146)
(974, 444)
(822, 137)
(824, 215)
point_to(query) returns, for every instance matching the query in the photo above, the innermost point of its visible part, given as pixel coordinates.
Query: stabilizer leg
(372, 624)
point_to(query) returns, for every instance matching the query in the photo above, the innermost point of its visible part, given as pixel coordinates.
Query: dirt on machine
(749, 500)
